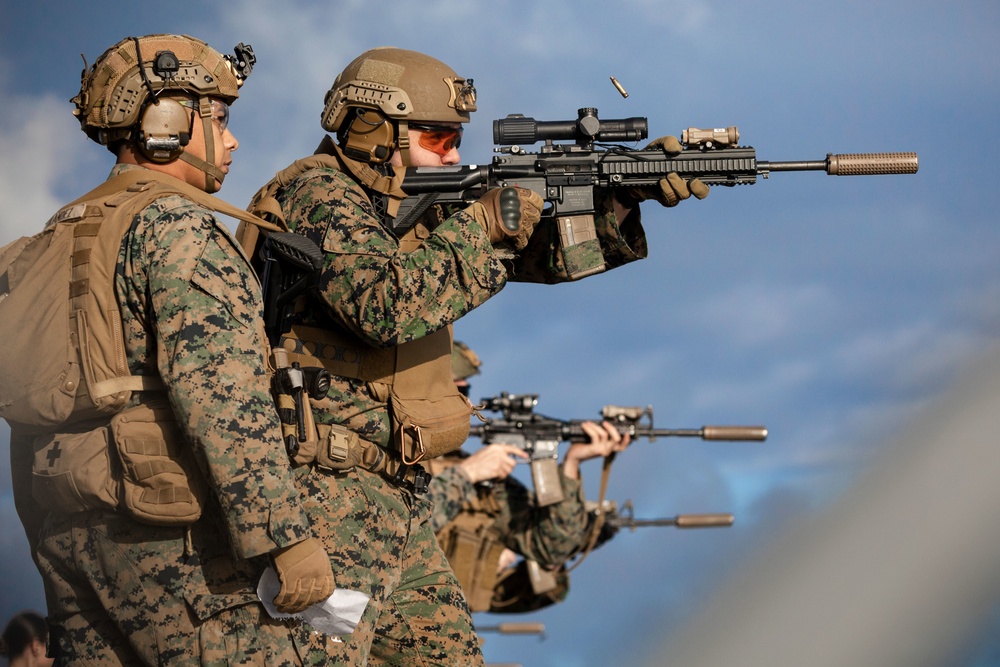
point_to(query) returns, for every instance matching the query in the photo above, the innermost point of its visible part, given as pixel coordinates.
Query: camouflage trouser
(123, 593)
(380, 543)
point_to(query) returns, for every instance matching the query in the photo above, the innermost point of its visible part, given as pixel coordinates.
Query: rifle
(540, 436)
(612, 520)
(291, 265)
(513, 629)
(615, 520)
(565, 174)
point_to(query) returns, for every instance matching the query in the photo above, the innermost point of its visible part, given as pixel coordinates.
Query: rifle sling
(595, 530)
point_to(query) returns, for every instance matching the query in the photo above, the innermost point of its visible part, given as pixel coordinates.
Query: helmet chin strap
(403, 141)
(213, 174)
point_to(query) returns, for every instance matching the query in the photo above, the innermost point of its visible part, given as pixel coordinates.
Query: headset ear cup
(371, 137)
(164, 130)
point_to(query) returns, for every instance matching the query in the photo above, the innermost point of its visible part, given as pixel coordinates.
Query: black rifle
(565, 174)
(540, 436)
(290, 267)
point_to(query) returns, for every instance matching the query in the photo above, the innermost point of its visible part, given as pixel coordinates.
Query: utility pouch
(74, 472)
(161, 483)
(427, 428)
(429, 415)
(340, 449)
(473, 556)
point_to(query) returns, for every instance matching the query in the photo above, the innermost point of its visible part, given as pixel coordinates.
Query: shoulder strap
(132, 177)
(133, 189)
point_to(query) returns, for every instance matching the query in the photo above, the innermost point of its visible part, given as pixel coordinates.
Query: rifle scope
(520, 130)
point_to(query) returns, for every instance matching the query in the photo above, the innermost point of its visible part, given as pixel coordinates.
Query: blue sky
(831, 310)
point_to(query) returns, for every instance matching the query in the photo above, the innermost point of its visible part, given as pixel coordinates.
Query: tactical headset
(122, 96)
(368, 136)
(164, 127)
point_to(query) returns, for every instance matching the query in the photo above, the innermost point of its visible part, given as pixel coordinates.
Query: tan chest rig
(472, 543)
(90, 451)
(429, 417)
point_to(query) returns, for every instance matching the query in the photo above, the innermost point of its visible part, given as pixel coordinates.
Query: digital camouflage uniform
(122, 592)
(378, 534)
(548, 535)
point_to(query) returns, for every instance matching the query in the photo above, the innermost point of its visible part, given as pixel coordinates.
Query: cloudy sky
(832, 310)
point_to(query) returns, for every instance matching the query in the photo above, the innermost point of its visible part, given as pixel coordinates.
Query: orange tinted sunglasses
(438, 139)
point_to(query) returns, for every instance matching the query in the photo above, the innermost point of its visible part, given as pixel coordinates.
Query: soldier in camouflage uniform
(485, 519)
(380, 323)
(125, 589)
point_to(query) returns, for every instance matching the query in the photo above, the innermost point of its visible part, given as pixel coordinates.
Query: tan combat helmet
(119, 100)
(464, 362)
(387, 88)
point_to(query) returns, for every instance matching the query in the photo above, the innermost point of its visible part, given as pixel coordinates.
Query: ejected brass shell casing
(619, 87)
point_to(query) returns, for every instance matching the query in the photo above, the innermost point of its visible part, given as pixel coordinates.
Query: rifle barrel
(737, 433)
(849, 164)
(704, 520)
(514, 628)
(685, 521)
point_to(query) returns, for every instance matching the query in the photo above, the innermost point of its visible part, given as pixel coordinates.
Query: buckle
(413, 478)
(421, 479)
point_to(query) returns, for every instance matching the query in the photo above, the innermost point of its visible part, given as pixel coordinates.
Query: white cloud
(38, 148)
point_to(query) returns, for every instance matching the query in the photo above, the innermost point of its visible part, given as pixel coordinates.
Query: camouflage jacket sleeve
(543, 262)
(191, 311)
(448, 491)
(381, 293)
(548, 535)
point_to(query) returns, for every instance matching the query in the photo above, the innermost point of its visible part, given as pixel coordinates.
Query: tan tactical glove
(305, 574)
(508, 215)
(671, 190)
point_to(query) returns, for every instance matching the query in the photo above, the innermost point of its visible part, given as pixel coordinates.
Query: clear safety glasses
(220, 111)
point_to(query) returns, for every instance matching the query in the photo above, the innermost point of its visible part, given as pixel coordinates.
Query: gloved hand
(305, 574)
(671, 190)
(508, 215)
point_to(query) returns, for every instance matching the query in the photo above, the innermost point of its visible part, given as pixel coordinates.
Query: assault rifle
(540, 436)
(565, 174)
(615, 520)
(290, 265)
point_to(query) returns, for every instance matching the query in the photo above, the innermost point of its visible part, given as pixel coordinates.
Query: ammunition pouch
(161, 484)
